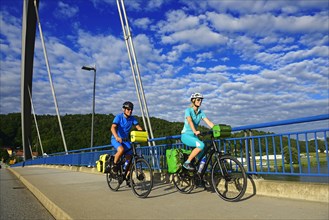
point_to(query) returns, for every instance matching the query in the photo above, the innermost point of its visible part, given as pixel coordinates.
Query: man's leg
(118, 154)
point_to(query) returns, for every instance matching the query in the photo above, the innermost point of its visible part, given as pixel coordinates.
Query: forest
(77, 130)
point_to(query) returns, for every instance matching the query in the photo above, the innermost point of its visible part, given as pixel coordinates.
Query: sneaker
(201, 184)
(115, 168)
(128, 183)
(188, 166)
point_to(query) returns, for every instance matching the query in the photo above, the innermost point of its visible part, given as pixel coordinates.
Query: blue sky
(254, 61)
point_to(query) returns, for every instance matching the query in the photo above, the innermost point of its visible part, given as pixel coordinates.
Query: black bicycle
(228, 176)
(137, 172)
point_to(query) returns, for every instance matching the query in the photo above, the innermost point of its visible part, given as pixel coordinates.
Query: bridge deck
(80, 195)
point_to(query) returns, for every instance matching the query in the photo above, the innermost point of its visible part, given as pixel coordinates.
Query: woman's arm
(190, 122)
(208, 122)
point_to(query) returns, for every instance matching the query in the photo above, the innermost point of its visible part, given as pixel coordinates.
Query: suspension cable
(35, 121)
(49, 75)
(135, 68)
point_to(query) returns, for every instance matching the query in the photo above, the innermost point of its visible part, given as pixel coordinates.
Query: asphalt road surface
(16, 201)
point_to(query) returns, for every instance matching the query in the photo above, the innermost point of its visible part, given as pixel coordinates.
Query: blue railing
(305, 152)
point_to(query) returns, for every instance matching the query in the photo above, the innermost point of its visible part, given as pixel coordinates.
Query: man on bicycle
(189, 137)
(121, 126)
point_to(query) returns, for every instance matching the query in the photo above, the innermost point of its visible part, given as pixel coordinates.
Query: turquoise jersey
(196, 118)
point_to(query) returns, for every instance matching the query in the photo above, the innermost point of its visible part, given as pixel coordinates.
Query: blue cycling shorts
(125, 144)
(191, 140)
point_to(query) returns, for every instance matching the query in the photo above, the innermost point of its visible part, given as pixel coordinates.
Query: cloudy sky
(254, 61)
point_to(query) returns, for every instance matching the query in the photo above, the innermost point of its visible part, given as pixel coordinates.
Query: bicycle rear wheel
(113, 180)
(184, 181)
(141, 177)
(229, 178)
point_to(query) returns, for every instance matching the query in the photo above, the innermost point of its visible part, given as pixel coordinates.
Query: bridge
(68, 194)
(70, 187)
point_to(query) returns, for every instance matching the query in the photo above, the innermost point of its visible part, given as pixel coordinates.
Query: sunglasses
(198, 99)
(129, 109)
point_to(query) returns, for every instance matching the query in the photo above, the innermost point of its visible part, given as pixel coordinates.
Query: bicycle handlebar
(206, 132)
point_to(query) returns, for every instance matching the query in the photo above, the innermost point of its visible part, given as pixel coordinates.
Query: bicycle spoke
(113, 180)
(229, 178)
(183, 182)
(141, 178)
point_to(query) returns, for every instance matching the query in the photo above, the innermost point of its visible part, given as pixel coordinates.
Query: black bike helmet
(128, 105)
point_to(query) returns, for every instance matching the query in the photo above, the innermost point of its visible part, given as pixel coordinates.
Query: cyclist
(121, 126)
(193, 116)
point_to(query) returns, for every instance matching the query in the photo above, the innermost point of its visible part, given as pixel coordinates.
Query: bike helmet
(128, 105)
(196, 95)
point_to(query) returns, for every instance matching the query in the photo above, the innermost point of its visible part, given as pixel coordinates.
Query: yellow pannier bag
(101, 163)
(138, 136)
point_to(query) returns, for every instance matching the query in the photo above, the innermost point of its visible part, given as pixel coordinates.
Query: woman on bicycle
(120, 129)
(193, 116)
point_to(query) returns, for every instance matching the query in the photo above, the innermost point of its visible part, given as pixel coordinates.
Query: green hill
(77, 133)
(76, 128)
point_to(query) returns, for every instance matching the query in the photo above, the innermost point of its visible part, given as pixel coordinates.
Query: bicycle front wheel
(141, 177)
(229, 178)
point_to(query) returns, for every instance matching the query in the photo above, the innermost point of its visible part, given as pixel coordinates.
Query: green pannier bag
(175, 159)
(222, 131)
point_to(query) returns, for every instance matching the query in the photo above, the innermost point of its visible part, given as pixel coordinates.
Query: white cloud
(142, 23)
(252, 68)
(65, 10)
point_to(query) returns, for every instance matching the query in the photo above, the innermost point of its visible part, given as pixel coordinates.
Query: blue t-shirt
(196, 118)
(124, 124)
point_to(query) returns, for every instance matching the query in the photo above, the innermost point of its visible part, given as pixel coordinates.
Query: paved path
(17, 202)
(80, 195)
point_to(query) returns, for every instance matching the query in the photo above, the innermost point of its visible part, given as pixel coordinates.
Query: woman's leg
(193, 154)
(192, 141)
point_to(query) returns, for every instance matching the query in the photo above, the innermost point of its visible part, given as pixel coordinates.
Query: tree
(4, 156)
(294, 155)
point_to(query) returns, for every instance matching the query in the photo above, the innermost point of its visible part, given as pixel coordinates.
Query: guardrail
(301, 153)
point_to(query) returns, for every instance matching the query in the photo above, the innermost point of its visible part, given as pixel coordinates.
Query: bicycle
(228, 176)
(138, 171)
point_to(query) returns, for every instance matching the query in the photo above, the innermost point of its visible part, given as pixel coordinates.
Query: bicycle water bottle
(202, 163)
(125, 165)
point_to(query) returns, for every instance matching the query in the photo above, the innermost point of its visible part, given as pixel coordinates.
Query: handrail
(283, 122)
(263, 125)
(297, 153)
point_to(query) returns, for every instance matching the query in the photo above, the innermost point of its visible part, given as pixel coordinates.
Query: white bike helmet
(196, 95)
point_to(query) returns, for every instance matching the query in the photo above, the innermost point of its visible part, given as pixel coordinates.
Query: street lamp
(89, 68)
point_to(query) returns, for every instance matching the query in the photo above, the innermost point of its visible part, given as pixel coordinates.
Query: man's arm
(139, 127)
(115, 134)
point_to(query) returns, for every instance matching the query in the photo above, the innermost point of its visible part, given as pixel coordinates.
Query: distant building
(20, 154)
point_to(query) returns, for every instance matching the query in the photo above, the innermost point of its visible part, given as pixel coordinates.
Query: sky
(254, 61)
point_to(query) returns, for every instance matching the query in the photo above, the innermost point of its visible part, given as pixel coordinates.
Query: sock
(187, 161)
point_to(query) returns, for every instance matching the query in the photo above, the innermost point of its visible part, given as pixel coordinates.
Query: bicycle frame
(134, 173)
(209, 153)
(131, 162)
(228, 177)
